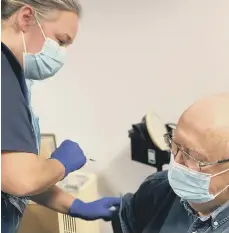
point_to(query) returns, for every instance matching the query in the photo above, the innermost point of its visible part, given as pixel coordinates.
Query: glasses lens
(190, 162)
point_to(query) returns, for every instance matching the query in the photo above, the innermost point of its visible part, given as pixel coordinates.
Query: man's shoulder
(163, 175)
(152, 201)
(158, 178)
(154, 189)
(154, 186)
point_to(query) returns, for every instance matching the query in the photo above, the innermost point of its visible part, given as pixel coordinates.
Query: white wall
(132, 56)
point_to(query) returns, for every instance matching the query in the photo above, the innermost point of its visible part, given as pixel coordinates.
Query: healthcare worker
(35, 34)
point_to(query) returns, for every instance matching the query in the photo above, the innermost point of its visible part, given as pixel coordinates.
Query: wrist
(59, 167)
(68, 204)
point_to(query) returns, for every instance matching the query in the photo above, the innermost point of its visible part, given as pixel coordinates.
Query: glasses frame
(169, 140)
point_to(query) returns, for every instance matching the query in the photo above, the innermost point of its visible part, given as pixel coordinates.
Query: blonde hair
(41, 7)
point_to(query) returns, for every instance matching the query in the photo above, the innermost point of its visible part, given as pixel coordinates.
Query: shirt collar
(16, 67)
(188, 208)
(218, 217)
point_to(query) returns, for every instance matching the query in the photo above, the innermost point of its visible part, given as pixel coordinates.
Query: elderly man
(193, 196)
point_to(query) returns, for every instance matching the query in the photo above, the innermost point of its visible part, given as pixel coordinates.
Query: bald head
(204, 127)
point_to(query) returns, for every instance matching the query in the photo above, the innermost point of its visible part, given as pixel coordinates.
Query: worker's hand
(104, 209)
(70, 155)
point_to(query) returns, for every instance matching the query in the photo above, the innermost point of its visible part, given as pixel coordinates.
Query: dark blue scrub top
(17, 133)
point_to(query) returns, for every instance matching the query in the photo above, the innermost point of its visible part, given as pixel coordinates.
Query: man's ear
(25, 18)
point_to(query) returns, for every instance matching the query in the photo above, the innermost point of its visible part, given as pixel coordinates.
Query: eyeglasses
(188, 159)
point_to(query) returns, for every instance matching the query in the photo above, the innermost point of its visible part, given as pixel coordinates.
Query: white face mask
(46, 63)
(191, 185)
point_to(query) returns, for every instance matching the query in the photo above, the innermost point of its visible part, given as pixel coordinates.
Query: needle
(91, 160)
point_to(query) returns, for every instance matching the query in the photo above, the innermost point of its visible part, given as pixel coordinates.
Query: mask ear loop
(220, 173)
(40, 27)
(25, 51)
(23, 39)
(222, 191)
(226, 186)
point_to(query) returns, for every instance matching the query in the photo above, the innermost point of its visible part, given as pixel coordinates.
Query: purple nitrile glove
(70, 155)
(100, 209)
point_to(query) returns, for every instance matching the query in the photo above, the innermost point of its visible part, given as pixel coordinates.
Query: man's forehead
(190, 143)
(209, 143)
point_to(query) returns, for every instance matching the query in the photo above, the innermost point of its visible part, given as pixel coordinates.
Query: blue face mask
(46, 63)
(191, 185)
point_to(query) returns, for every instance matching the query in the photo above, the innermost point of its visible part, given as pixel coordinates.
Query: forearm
(27, 174)
(59, 201)
(55, 199)
(47, 175)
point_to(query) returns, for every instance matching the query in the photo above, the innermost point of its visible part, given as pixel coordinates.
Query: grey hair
(41, 7)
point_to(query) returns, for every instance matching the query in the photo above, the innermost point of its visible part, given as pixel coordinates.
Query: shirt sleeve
(138, 209)
(17, 131)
